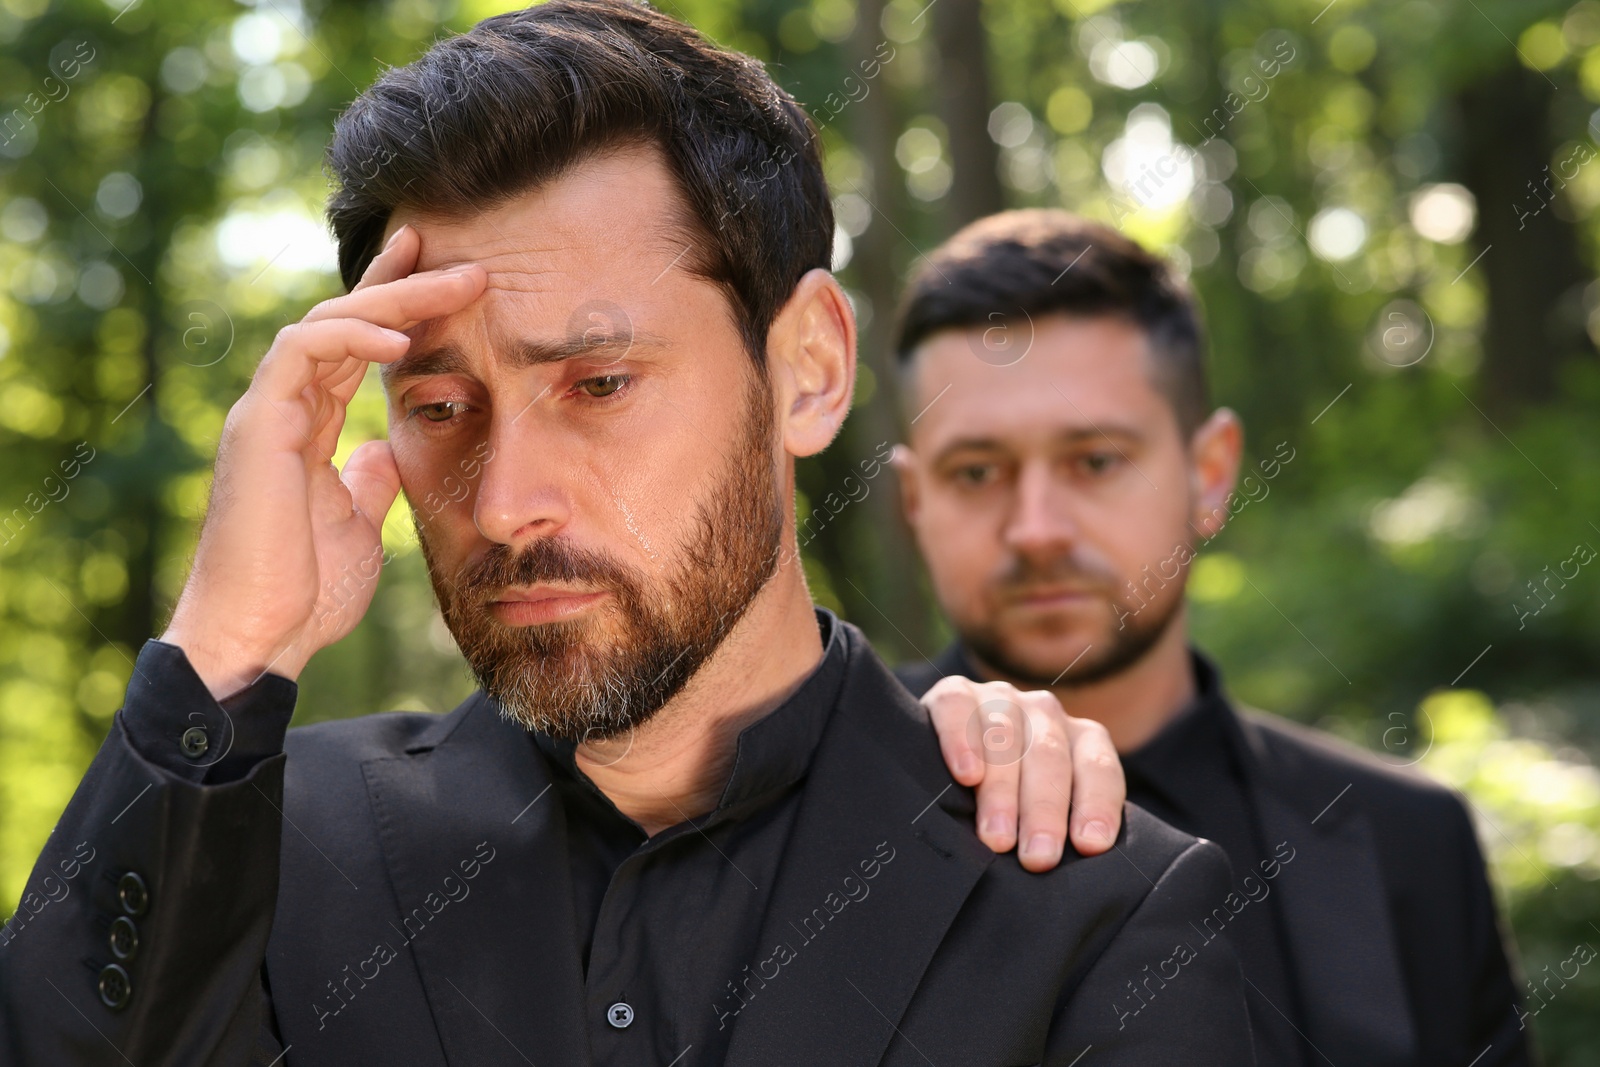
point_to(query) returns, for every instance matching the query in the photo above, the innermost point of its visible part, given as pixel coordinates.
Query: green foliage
(1538, 810)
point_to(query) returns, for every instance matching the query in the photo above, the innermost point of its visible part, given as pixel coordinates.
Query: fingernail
(1097, 831)
(459, 268)
(1040, 845)
(995, 825)
(966, 764)
(397, 335)
(393, 237)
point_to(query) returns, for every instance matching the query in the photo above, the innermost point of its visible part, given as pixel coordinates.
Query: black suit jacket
(1392, 928)
(345, 842)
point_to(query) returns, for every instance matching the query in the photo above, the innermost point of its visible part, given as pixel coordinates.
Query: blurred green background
(1387, 207)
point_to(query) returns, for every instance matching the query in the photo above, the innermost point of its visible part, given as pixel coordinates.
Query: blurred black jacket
(1395, 953)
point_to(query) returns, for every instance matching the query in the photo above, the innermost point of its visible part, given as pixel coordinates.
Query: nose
(1039, 523)
(520, 494)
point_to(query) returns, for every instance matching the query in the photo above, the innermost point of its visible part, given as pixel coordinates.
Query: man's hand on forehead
(287, 534)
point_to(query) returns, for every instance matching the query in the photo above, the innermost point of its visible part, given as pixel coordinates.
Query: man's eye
(1099, 462)
(603, 386)
(976, 474)
(443, 411)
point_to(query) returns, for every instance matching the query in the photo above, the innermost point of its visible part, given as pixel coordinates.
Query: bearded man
(689, 818)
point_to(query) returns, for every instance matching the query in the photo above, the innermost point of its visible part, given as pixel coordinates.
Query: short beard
(572, 680)
(1138, 632)
(1128, 646)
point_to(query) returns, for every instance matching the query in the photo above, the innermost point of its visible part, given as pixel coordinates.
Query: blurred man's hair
(1024, 264)
(525, 96)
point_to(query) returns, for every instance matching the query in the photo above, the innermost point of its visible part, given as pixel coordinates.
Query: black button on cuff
(116, 989)
(620, 1015)
(133, 895)
(124, 938)
(194, 742)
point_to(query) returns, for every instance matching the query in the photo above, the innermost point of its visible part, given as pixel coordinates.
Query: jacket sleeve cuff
(172, 720)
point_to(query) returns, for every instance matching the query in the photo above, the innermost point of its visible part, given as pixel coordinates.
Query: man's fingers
(397, 259)
(1045, 787)
(373, 480)
(1004, 735)
(997, 805)
(951, 704)
(402, 303)
(306, 349)
(1098, 787)
(1037, 771)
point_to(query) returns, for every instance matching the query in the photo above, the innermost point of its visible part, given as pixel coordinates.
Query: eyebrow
(449, 359)
(1076, 436)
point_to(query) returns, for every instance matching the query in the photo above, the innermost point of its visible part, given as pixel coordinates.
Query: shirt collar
(1193, 753)
(1187, 758)
(775, 751)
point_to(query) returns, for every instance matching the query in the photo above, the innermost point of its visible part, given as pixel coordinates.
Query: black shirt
(683, 974)
(1191, 775)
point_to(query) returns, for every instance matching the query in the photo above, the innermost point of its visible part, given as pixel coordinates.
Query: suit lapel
(496, 953)
(1341, 940)
(841, 953)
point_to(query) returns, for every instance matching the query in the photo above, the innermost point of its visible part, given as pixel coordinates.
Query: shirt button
(194, 742)
(620, 1015)
(132, 893)
(124, 938)
(115, 988)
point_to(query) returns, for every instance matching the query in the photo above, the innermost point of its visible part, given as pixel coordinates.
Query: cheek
(437, 484)
(1149, 529)
(637, 505)
(962, 541)
(642, 485)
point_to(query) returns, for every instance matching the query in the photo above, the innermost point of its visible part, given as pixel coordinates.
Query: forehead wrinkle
(450, 358)
(675, 235)
(503, 281)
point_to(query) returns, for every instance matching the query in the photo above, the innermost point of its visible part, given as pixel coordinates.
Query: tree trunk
(964, 105)
(894, 610)
(1530, 256)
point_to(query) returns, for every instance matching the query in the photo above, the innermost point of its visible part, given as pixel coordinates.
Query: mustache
(1022, 573)
(551, 560)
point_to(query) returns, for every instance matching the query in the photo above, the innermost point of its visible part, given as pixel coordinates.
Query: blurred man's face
(1051, 498)
(587, 449)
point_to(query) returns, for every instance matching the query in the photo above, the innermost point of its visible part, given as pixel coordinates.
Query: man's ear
(811, 356)
(1214, 452)
(904, 462)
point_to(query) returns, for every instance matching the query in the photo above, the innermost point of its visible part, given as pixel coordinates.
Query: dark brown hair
(524, 96)
(1039, 262)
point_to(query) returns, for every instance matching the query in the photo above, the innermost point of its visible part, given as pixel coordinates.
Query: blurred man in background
(1063, 463)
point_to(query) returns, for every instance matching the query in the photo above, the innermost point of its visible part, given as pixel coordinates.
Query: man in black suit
(1062, 465)
(689, 819)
